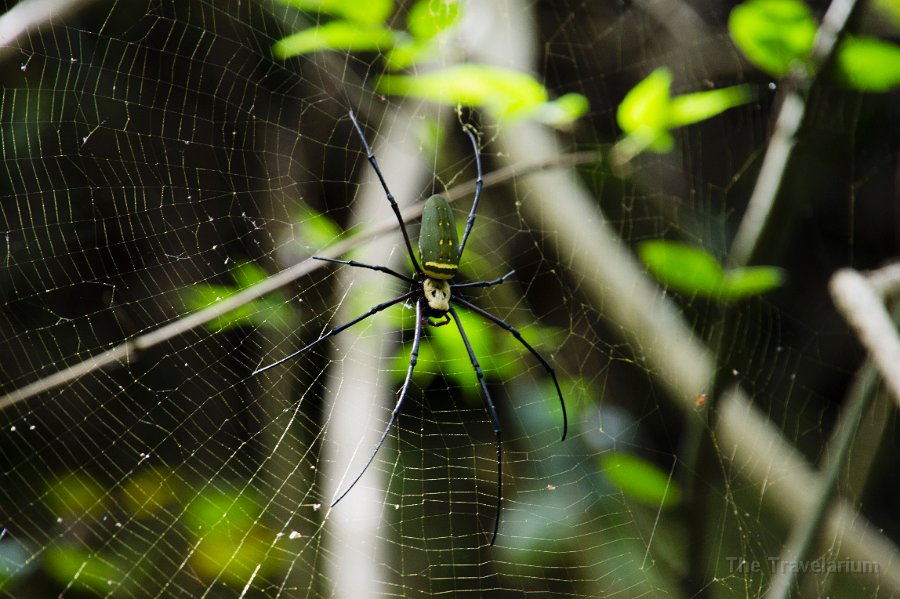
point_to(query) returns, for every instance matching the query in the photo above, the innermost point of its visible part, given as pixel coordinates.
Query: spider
(431, 284)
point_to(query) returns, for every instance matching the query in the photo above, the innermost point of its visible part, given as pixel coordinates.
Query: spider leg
(494, 419)
(383, 269)
(491, 283)
(479, 183)
(390, 197)
(515, 333)
(413, 358)
(340, 328)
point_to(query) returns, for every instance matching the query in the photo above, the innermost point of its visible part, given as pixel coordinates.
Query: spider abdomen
(438, 240)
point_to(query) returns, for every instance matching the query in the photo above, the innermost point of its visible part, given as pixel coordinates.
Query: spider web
(158, 160)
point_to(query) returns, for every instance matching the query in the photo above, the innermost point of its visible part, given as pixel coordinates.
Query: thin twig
(759, 225)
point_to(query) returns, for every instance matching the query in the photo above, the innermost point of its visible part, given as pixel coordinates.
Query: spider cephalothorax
(439, 253)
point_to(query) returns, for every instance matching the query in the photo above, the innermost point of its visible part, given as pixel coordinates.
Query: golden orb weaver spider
(431, 284)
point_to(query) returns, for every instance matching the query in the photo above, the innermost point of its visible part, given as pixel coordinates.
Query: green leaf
(315, 230)
(408, 51)
(692, 108)
(272, 310)
(749, 281)
(247, 274)
(773, 34)
(362, 11)
(868, 64)
(507, 93)
(86, 570)
(643, 113)
(343, 36)
(648, 112)
(563, 111)
(222, 509)
(682, 267)
(641, 480)
(693, 271)
(427, 18)
(75, 494)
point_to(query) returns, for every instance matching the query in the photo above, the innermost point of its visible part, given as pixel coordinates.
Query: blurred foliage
(693, 272)
(272, 310)
(776, 35)
(506, 93)
(649, 112)
(641, 480)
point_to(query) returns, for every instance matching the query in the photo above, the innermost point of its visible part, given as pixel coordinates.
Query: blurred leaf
(563, 111)
(693, 271)
(773, 34)
(232, 557)
(648, 112)
(749, 281)
(427, 18)
(696, 107)
(684, 268)
(408, 51)
(361, 11)
(507, 93)
(247, 274)
(272, 310)
(228, 510)
(231, 541)
(641, 480)
(343, 36)
(148, 492)
(643, 113)
(315, 230)
(868, 64)
(889, 9)
(75, 495)
(86, 570)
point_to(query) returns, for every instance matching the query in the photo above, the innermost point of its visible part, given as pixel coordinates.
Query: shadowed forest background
(699, 201)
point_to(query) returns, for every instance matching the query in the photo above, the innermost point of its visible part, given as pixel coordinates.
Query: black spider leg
(413, 358)
(338, 329)
(390, 197)
(479, 183)
(515, 333)
(494, 418)
(491, 283)
(374, 267)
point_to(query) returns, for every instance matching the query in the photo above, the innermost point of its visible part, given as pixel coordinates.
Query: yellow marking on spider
(440, 270)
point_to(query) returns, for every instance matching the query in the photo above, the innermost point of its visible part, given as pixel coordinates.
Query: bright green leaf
(564, 110)
(643, 113)
(868, 64)
(247, 274)
(315, 230)
(692, 271)
(427, 18)
(344, 36)
(408, 51)
(646, 105)
(749, 281)
(641, 480)
(696, 107)
(220, 509)
(648, 112)
(272, 310)
(773, 34)
(505, 92)
(684, 268)
(362, 11)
